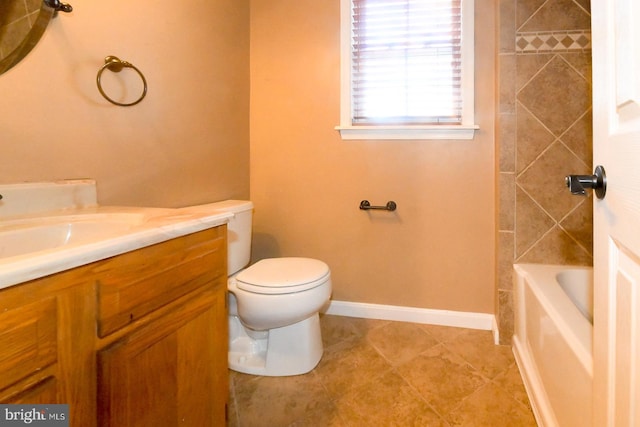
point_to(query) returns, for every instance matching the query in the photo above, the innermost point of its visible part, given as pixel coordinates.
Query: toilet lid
(283, 275)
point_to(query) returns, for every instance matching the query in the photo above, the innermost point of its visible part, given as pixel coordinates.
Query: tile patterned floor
(382, 373)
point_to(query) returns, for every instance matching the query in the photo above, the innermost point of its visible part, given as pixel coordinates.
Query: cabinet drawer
(28, 340)
(139, 282)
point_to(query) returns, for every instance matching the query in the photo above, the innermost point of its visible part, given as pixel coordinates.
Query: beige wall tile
(533, 138)
(507, 205)
(579, 224)
(507, 85)
(558, 14)
(532, 222)
(557, 96)
(506, 316)
(506, 256)
(585, 4)
(525, 9)
(553, 138)
(507, 31)
(556, 247)
(528, 66)
(544, 180)
(581, 62)
(579, 138)
(507, 142)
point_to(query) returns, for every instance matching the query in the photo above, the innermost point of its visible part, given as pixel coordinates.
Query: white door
(616, 113)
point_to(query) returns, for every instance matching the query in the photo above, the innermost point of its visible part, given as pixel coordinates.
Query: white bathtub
(552, 341)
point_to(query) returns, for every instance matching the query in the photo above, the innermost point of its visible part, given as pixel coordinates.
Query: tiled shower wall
(544, 134)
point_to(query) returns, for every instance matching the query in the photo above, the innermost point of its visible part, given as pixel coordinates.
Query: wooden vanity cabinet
(47, 345)
(139, 339)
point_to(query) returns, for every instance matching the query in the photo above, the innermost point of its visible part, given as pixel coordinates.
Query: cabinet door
(47, 344)
(29, 352)
(28, 339)
(171, 372)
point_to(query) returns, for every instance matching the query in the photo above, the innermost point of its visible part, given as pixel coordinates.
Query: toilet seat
(276, 276)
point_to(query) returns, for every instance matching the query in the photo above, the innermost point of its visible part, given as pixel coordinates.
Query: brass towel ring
(115, 64)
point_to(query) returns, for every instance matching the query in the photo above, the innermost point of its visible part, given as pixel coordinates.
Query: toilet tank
(238, 231)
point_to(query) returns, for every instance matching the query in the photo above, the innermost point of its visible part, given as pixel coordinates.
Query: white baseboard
(460, 319)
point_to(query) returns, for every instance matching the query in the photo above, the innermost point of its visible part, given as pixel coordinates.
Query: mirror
(22, 23)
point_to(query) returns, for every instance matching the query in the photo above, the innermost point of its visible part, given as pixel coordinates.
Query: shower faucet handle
(579, 183)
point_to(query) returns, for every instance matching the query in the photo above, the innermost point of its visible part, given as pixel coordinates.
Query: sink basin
(48, 227)
(33, 235)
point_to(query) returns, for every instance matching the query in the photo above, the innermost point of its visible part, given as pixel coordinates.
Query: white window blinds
(406, 62)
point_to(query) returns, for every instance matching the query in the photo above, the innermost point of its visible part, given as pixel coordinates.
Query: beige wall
(187, 142)
(437, 250)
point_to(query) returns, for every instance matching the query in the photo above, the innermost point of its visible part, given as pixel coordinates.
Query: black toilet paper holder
(390, 206)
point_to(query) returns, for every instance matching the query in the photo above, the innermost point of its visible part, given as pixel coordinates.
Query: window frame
(464, 131)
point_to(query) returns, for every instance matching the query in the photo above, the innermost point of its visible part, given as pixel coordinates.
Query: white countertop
(153, 225)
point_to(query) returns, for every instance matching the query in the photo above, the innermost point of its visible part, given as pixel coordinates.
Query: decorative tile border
(553, 41)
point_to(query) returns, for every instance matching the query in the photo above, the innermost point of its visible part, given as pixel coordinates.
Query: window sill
(407, 132)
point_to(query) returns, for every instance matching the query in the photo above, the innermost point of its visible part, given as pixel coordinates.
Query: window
(407, 69)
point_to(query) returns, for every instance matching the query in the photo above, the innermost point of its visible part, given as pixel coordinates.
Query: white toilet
(274, 327)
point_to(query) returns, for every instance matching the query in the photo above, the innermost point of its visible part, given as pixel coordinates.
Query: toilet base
(291, 350)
